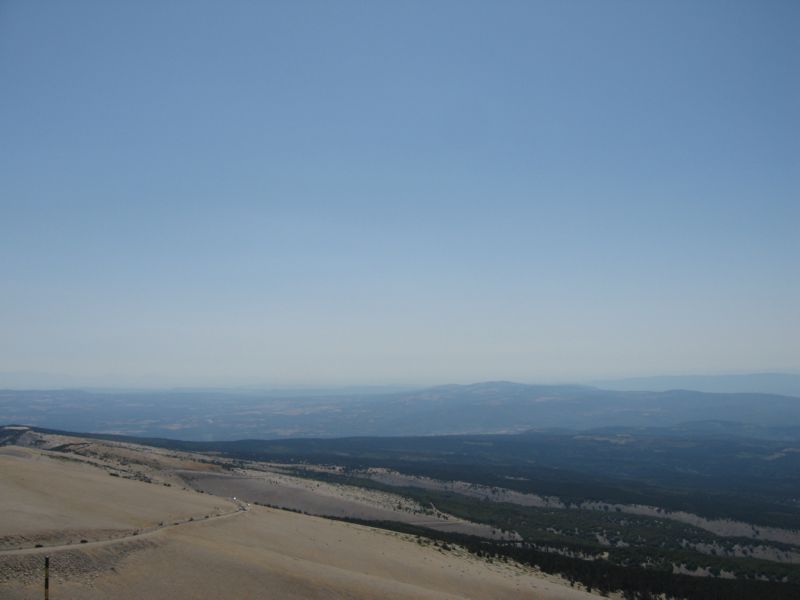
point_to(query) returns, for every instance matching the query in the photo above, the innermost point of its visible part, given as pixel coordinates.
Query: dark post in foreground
(46, 578)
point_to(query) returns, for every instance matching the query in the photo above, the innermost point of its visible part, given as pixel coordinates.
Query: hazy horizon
(326, 194)
(740, 381)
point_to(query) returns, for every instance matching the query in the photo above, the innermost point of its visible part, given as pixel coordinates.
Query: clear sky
(398, 192)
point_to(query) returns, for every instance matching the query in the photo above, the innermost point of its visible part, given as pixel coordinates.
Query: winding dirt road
(142, 533)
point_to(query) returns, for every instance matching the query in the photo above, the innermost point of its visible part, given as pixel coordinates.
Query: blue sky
(398, 192)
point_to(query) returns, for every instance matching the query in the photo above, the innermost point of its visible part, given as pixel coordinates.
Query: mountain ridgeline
(492, 407)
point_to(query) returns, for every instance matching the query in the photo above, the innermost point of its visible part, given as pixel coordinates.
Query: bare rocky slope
(119, 520)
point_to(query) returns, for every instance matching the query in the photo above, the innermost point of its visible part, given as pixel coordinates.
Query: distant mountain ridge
(489, 407)
(785, 384)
